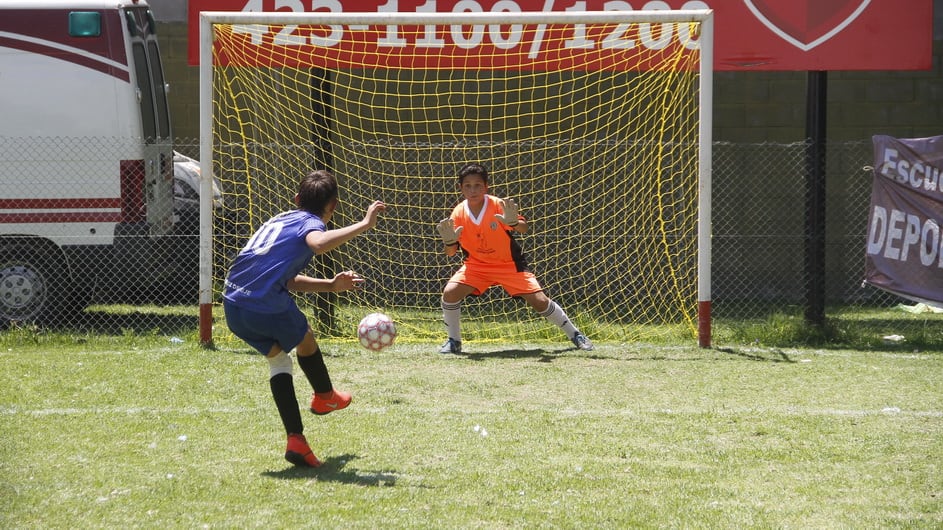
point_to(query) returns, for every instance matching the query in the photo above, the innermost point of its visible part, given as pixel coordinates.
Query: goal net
(596, 123)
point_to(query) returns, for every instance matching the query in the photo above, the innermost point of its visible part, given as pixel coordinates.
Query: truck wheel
(29, 286)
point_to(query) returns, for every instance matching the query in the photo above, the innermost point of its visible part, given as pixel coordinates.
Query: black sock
(316, 372)
(283, 391)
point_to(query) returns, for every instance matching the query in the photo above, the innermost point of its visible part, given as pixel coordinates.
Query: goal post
(597, 123)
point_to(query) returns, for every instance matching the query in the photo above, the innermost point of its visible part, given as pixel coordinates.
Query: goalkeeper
(260, 310)
(484, 228)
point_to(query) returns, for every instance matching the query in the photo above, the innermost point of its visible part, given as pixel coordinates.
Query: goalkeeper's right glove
(448, 232)
(510, 215)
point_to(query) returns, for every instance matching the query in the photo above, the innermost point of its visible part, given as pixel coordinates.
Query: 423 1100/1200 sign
(505, 45)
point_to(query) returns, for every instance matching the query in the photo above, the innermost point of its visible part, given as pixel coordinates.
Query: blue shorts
(264, 330)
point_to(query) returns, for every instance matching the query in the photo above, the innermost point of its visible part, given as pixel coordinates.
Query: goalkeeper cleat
(299, 453)
(451, 346)
(581, 342)
(327, 402)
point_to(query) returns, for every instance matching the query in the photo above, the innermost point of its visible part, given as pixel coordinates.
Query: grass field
(147, 430)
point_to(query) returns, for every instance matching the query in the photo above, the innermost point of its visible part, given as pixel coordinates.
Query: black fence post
(816, 111)
(321, 96)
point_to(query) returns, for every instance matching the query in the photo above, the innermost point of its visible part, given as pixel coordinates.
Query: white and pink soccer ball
(376, 331)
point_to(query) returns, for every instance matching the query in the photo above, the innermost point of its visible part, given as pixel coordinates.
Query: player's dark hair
(316, 190)
(473, 169)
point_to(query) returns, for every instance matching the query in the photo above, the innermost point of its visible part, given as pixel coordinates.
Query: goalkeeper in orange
(484, 227)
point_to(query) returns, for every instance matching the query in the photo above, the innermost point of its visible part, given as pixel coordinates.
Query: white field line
(194, 411)
(788, 411)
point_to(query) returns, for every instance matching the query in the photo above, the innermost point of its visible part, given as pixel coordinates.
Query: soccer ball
(376, 331)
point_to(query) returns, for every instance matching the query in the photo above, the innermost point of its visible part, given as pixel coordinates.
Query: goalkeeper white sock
(452, 314)
(555, 314)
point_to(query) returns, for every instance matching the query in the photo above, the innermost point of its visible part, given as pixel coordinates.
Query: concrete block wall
(184, 80)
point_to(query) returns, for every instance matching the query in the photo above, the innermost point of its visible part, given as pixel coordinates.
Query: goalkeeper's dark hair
(316, 190)
(473, 169)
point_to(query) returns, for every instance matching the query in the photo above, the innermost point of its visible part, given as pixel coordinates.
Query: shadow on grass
(332, 470)
(772, 356)
(541, 354)
(138, 322)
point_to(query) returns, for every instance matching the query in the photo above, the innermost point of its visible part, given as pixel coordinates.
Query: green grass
(134, 428)
(857, 328)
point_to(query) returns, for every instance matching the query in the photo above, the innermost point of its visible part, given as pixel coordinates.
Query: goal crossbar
(208, 18)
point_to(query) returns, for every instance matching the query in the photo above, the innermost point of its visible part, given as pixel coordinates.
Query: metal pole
(206, 182)
(816, 109)
(705, 164)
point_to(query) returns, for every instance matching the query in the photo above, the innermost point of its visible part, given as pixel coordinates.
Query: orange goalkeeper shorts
(482, 277)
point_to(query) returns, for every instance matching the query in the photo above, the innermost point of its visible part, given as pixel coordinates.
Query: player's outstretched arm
(321, 242)
(511, 216)
(342, 281)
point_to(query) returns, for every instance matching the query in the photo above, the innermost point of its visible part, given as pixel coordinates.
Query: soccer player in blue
(261, 311)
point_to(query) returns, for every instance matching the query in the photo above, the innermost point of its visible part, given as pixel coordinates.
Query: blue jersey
(276, 253)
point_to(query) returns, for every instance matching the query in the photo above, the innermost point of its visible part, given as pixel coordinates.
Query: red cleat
(299, 453)
(327, 402)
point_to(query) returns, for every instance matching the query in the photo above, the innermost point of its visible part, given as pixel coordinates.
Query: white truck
(86, 154)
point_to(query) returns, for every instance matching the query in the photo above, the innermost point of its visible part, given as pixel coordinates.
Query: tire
(32, 285)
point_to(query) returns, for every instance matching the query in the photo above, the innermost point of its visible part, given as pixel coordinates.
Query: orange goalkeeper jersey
(484, 239)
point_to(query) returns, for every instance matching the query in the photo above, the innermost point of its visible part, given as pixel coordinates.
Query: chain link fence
(89, 221)
(760, 194)
(759, 213)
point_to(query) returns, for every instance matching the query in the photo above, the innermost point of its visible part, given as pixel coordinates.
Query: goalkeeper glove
(510, 213)
(448, 232)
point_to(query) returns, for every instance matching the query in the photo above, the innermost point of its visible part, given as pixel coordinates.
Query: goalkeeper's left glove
(448, 232)
(510, 213)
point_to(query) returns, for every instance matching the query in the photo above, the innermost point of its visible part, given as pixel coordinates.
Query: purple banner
(904, 253)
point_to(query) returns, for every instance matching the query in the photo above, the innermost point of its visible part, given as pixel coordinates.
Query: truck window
(158, 87)
(155, 114)
(143, 76)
